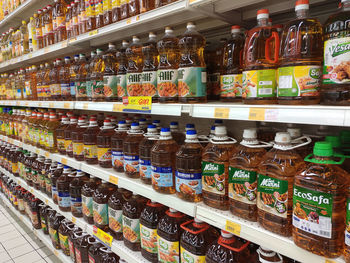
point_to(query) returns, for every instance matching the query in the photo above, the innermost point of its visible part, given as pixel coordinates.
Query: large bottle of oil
(319, 203)
(150, 65)
(275, 185)
(135, 65)
(300, 59)
(110, 74)
(80, 84)
(167, 74)
(335, 87)
(215, 163)
(192, 75)
(97, 77)
(231, 78)
(260, 62)
(122, 66)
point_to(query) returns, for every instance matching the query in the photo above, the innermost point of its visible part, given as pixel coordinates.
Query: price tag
(74, 219)
(232, 227)
(64, 44)
(137, 18)
(86, 106)
(47, 154)
(46, 50)
(55, 252)
(329, 261)
(66, 105)
(113, 179)
(118, 107)
(46, 201)
(222, 113)
(31, 190)
(64, 160)
(30, 55)
(26, 103)
(256, 114)
(37, 151)
(40, 104)
(140, 104)
(51, 105)
(72, 39)
(102, 236)
(17, 103)
(93, 32)
(128, 21)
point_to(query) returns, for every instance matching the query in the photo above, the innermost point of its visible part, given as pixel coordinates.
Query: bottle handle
(274, 36)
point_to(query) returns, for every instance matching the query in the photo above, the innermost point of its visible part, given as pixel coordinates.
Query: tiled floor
(18, 244)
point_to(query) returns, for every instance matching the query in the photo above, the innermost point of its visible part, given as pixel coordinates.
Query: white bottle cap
(168, 30)
(263, 14)
(220, 131)
(235, 29)
(302, 5)
(282, 137)
(190, 25)
(249, 134)
(294, 132)
(152, 35)
(135, 39)
(226, 234)
(172, 210)
(196, 220)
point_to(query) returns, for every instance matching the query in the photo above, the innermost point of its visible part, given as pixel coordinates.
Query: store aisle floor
(18, 243)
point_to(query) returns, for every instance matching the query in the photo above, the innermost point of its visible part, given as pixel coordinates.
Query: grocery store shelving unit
(221, 219)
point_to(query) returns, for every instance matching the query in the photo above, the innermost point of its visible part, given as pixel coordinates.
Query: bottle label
(76, 205)
(34, 218)
(133, 84)
(107, 5)
(115, 220)
(149, 239)
(347, 222)
(192, 82)
(34, 176)
(50, 140)
(231, 86)
(63, 242)
(61, 21)
(43, 224)
(104, 154)
(97, 89)
(131, 163)
(54, 192)
(65, 89)
(131, 229)
(78, 148)
(188, 183)
(121, 82)
(117, 159)
(27, 88)
(272, 195)
(71, 250)
(299, 81)
(149, 83)
(63, 199)
(89, 88)
(100, 213)
(110, 86)
(75, 21)
(162, 176)
(168, 251)
(87, 203)
(167, 82)
(213, 177)
(54, 236)
(91, 260)
(99, 7)
(145, 169)
(81, 89)
(72, 88)
(61, 144)
(68, 145)
(187, 256)
(42, 181)
(336, 61)
(14, 168)
(242, 185)
(259, 83)
(48, 185)
(90, 151)
(312, 211)
(55, 89)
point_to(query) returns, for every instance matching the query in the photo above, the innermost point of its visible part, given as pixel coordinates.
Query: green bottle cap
(323, 149)
(334, 141)
(345, 136)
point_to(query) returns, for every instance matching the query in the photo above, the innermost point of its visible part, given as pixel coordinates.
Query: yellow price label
(74, 219)
(329, 261)
(137, 18)
(47, 154)
(222, 113)
(118, 107)
(233, 227)
(40, 104)
(46, 50)
(51, 105)
(30, 55)
(64, 160)
(17, 103)
(31, 190)
(46, 201)
(113, 179)
(37, 151)
(66, 105)
(256, 114)
(64, 44)
(102, 236)
(26, 103)
(128, 21)
(55, 252)
(93, 32)
(86, 106)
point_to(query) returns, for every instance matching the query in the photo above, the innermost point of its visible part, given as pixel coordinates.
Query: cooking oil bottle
(188, 177)
(117, 146)
(135, 64)
(260, 61)
(50, 130)
(192, 75)
(215, 174)
(80, 84)
(318, 209)
(231, 78)
(122, 66)
(275, 185)
(60, 135)
(103, 142)
(68, 143)
(243, 175)
(163, 163)
(97, 77)
(90, 142)
(335, 89)
(299, 72)
(167, 74)
(150, 65)
(110, 74)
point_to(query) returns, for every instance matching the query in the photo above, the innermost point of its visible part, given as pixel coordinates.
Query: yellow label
(187, 256)
(47, 154)
(55, 252)
(104, 154)
(128, 21)
(113, 179)
(256, 114)
(78, 148)
(103, 236)
(329, 261)
(137, 18)
(61, 144)
(51, 105)
(232, 227)
(66, 105)
(139, 104)
(94, 32)
(37, 151)
(259, 83)
(222, 113)
(64, 160)
(46, 201)
(118, 107)
(90, 151)
(86, 106)
(74, 220)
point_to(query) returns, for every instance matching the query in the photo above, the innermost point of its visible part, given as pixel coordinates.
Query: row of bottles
(8, 6)
(161, 234)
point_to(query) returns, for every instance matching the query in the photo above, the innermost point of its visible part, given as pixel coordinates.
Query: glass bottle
(90, 142)
(103, 142)
(117, 146)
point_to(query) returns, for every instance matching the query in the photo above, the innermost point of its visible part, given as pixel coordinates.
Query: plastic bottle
(124, 9)
(68, 143)
(72, 237)
(48, 180)
(134, 70)
(167, 74)
(75, 18)
(103, 142)
(80, 83)
(94, 252)
(82, 245)
(178, 136)
(64, 80)
(110, 80)
(326, 205)
(134, 7)
(260, 60)
(55, 175)
(275, 185)
(24, 38)
(82, 19)
(68, 20)
(77, 139)
(243, 175)
(63, 232)
(122, 65)
(100, 204)
(60, 135)
(300, 58)
(48, 34)
(215, 163)
(62, 185)
(73, 74)
(89, 82)
(131, 151)
(117, 141)
(91, 15)
(107, 12)
(87, 192)
(38, 28)
(90, 140)
(97, 77)
(75, 187)
(60, 13)
(55, 220)
(43, 174)
(50, 130)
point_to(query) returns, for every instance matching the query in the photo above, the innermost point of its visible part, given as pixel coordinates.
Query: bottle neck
(263, 22)
(303, 13)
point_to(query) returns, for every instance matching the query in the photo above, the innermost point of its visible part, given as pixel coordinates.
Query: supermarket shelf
(39, 104)
(255, 233)
(38, 232)
(117, 246)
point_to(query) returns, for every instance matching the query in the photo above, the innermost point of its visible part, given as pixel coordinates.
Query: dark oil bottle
(62, 185)
(117, 141)
(63, 232)
(145, 153)
(75, 193)
(103, 142)
(87, 192)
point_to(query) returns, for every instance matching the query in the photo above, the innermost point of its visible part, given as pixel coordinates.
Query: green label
(242, 185)
(213, 177)
(168, 252)
(149, 239)
(231, 86)
(167, 82)
(100, 212)
(312, 211)
(347, 223)
(272, 195)
(97, 89)
(149, 83)
(259, 83)
(121, 85)
(131, 229)
(299, 81)
(110, 86)
(89, 88)
(192, 82)
(81, 89)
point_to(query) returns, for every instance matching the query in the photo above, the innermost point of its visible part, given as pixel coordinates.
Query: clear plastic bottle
(163, 156)
(80, 83)
(122, 65)
(68, 143)
(51, 135)
(110, 80)
(77, 139)
(60, 135)
(117, 141)
(96, 77)
(135, 65)
(90, 142)
(64, 79)
(103, 142)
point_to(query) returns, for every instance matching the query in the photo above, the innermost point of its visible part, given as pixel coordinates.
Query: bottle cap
(302, 5)
(249, 134)
(191, 134)
(165, 132)
(235, 29)
(174, 125)
(111, 45)
(168, 30)
(263, 14)
(152, 35)
(334, 141)
(294, 132)
(190, 25)
(151, 128)
(135, 39)
(189, 126)
(135, 126)
(282, 137)
(218, 122)
(125, 43)
(172, 210)
(156, 121)
(226, 234)
(220, 131)
(323, 149)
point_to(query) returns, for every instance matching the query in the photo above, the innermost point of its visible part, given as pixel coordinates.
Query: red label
(77, 256)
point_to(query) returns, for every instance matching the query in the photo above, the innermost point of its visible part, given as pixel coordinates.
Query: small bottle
(90, 142)
(117, 146)
(103, 142)
(87, 192)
